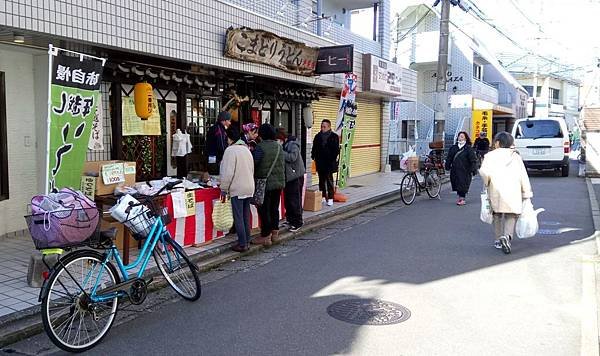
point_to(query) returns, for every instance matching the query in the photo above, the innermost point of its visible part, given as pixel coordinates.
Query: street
(434, 258)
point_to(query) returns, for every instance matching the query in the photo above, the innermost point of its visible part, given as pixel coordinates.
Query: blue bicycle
(80, 298)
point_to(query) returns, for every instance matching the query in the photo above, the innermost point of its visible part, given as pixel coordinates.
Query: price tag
(88, 186)
(130, 169)
(190, 203)
(113, 173)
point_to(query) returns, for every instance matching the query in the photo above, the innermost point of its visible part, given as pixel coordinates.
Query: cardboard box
(95, 169)
(312, 200)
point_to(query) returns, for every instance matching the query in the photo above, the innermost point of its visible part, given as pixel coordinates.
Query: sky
(565, 30)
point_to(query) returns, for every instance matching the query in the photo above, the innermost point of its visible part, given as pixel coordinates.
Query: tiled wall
(191, 30)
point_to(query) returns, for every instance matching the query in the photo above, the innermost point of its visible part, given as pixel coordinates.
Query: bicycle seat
(108, 235)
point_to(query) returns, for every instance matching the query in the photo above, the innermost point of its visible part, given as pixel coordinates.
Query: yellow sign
(190, 203)
(482, 122)
(133, 125)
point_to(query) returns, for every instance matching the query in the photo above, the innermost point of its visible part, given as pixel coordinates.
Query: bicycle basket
(64, 228)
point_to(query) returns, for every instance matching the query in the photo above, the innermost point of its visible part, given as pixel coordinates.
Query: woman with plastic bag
(505, 177)
(237, 172)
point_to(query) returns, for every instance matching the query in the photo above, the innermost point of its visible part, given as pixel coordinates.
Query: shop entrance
(201, 114)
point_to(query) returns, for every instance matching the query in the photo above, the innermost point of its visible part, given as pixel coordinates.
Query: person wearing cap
(250, 135)
(216, 141)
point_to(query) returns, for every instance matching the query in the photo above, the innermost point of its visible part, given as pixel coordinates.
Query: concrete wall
(22, 117)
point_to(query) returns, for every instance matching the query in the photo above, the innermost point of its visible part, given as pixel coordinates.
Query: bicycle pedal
(149, 280)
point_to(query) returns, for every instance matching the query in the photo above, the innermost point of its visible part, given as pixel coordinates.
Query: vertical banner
(97, 136)
(171, 110)
(73, 100)
(346, 125)
(348, 95)
(482, 122)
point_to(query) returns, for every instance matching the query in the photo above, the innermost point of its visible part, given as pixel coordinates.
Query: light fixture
(18, 38)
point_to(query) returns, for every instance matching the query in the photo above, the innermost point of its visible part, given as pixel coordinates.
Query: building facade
(179, 48)
(476, 81)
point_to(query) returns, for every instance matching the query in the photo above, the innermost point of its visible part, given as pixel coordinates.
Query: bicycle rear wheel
(178, 270)
(433, 184)
(71, 319)
(408, 188)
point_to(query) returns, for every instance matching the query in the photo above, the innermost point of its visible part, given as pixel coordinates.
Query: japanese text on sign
(113, 173)
(88, 186)
(482, 122)
(267, 48)
(190, 203)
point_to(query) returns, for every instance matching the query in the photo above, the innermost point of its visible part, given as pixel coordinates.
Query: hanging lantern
(142, 93)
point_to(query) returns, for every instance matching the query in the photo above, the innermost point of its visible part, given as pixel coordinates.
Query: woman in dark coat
(462, 164)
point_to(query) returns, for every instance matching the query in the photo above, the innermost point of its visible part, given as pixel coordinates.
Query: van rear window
(539, 129)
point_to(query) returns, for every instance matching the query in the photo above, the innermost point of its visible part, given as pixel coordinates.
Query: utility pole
(441, 99)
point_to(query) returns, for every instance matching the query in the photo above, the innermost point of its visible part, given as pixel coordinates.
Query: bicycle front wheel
(178, 270)
(71, 319)
(434, 184)
(408, 188)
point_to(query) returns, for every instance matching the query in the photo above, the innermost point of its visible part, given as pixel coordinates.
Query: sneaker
(295, 228)
(323, 200)
(497, 244)
(330, 202)
(461, 202)
(505, 244)
(285, 224)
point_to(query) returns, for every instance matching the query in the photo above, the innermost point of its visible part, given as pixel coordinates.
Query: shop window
(3, 143)
(201, 114)
(283, 121)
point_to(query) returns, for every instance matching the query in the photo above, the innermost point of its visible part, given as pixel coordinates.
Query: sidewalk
(18, 300)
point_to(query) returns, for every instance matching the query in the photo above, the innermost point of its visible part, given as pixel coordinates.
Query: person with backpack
(294, 181)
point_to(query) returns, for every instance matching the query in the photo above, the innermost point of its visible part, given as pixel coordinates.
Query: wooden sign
(88, 186)
(264, 47)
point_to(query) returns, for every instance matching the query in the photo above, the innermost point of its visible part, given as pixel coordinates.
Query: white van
(543, 143)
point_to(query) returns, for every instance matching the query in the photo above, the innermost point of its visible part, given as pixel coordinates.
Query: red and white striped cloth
(198, 228)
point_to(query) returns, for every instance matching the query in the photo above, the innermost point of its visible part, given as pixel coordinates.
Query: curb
(590, 332)
(21, 325)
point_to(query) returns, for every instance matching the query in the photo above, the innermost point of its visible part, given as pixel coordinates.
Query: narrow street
(434, 258)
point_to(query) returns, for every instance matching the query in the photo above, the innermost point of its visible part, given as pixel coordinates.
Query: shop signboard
(264, 47)
(482, 122)
(347, 124)
(74, 87)
(97, 136)
(336, 59)
(133, 125)
(382, 76)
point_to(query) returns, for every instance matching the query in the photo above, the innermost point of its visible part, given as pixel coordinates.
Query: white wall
(21, 126)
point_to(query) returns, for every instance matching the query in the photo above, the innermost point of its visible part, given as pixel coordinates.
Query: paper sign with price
(190, 203)
(88, 186)
(113, 173)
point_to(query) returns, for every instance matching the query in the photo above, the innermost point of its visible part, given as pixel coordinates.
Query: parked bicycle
(81, 295)
(432, 181)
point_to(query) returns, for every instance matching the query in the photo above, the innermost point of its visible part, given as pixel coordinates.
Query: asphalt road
(434, 258)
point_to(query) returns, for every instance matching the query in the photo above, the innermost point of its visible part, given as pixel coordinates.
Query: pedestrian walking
(294, 181)
(269, 164)
(216, 141)
(250, 135)
(237, 171)
(505, 177)
(462, 164)
(325, 151)
(481, 146)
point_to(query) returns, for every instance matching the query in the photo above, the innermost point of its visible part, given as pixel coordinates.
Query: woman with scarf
(462, 164)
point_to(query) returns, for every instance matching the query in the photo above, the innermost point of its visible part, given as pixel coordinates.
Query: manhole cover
(368, 312)
(548, 232)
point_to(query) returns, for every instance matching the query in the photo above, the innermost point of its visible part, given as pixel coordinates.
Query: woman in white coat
(505, 177)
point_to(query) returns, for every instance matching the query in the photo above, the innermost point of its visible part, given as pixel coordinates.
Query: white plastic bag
(486, 215)
(405, 156)
(527, 224)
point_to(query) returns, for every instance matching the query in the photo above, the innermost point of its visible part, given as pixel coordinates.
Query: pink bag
(63, 219)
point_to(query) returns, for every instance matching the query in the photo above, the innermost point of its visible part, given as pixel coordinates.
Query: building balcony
(425, 47)
(484, 91)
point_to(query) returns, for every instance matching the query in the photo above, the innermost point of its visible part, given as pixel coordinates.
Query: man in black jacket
(325, 151)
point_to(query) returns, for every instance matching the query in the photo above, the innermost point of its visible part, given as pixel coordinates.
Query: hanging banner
(482, 122)
(346, 125)
(74, 96)
(97, 137)
(133, 125)
(348, 96)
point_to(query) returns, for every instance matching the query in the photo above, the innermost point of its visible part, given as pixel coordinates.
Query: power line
(413, 27)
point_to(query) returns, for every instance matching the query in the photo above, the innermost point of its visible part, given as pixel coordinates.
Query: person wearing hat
(216, 141)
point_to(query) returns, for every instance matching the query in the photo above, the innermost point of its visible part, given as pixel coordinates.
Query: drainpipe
(319, 15)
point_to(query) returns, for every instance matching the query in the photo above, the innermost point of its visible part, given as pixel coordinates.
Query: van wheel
(565, 171)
